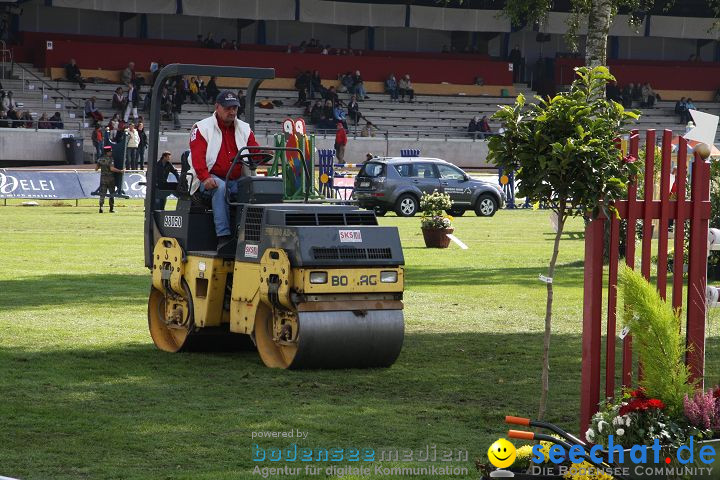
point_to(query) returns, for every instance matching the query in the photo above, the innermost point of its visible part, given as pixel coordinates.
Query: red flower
(655, 403)
(716, 392)
(639, 393)
(641, 404)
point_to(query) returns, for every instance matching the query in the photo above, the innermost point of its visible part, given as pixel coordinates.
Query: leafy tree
(598, 14)
(564, 154)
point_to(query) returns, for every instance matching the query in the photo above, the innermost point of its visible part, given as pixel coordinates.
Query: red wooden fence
(697, 211)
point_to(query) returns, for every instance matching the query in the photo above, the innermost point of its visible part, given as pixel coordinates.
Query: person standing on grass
(142, 146)
(340, 143)
(107, 178)
(133, 142)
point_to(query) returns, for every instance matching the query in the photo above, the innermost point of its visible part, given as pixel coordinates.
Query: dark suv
(397, 183)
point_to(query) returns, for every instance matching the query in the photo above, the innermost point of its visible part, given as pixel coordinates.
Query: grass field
(85, 394)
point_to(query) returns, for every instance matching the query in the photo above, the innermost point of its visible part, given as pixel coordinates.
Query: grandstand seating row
(430, 116)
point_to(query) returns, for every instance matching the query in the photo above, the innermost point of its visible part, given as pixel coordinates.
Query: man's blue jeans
(220, 208)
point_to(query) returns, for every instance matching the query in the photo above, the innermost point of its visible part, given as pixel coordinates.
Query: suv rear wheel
(486, 205)
(406, 206)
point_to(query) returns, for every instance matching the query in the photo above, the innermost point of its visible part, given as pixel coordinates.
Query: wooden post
(697, 268)
(592, 313)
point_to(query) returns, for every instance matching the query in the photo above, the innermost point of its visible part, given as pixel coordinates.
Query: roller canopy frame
(256, 76)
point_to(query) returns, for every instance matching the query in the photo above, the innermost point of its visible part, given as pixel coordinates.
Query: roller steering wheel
(251, 161)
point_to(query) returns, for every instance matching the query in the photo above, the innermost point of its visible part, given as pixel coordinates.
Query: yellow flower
(586, 471)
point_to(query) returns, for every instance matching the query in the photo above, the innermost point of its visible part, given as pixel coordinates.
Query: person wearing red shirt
(214, 142)
(340, 142)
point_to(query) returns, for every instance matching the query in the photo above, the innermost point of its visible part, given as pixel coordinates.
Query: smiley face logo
(501, 453)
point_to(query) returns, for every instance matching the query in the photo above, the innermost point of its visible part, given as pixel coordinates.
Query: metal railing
(45, 84)
(6, 57)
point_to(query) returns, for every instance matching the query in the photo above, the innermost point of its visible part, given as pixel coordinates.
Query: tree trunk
(548, 316)
(597, 35)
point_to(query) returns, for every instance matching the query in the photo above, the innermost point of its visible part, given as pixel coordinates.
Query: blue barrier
(38, 184)
(326, 172)
(410, 152)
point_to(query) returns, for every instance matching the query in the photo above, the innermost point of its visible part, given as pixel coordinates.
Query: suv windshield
(372, 170)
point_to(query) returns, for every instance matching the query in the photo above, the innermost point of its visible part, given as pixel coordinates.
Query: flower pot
(436, 238)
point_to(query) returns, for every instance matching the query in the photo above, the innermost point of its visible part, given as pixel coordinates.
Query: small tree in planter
(434, 223)
(564, 154)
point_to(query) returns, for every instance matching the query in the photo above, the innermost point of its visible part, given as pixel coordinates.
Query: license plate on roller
(364, 184)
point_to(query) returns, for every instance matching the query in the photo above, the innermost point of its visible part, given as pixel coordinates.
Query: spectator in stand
(325, 50)
(8, 102)
(406, 88)
(685, 116)
(474, 126)
(234, 45)
(118, 100)
(113, 127)
(648, 96)
(331, 94)
(202, 90)
(4, 122)
(680, 107)
(316, 84)
(328, 116)
(301, 48)
(44, 123)
(346, 83)
(637, 93)
(29, 121)
(612, 92)
(142, 146)
(484, 127)
(133, 99)
(223, 44)
(3, 95)
(627, 94)
(339, 115)
(391, 87)
(302, 85)
(316, 112)
(241, 101)
(56, 121)
(367, 130)
(72, 73)
(516, 58)
(199, 41)
(131, 149)
(92, 111)
(178, 100)
(194, 91)
(98, 140)
(14, 118)
(340, 143)
(212, 90)
(166, 102)
(359, 86)
(210, 41)
(128, 75)
(354, 110)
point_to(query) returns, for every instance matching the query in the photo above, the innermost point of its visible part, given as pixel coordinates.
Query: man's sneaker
(112, 211)
(95, 192)
(100, 211)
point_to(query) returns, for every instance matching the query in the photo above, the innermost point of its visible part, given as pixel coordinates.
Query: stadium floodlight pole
(256, 76)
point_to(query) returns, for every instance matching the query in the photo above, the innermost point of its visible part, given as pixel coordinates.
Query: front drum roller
(329, 339)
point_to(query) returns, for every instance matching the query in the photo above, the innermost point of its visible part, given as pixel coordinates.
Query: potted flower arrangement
(434, 223)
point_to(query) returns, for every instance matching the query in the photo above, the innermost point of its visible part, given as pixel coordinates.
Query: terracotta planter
(435, 238)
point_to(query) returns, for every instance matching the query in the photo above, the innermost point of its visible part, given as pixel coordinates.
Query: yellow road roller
(308, 285)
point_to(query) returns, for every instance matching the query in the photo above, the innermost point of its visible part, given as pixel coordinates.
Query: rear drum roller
(170, 335)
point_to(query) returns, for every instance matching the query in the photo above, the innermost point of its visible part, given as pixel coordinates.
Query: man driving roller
(214, 142)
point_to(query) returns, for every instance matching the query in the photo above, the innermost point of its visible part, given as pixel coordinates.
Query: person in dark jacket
(212, 91)
(72, 73)
(142, 146)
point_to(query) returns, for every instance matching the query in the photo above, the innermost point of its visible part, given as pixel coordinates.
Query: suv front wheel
(406, 206)
(486, 205)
